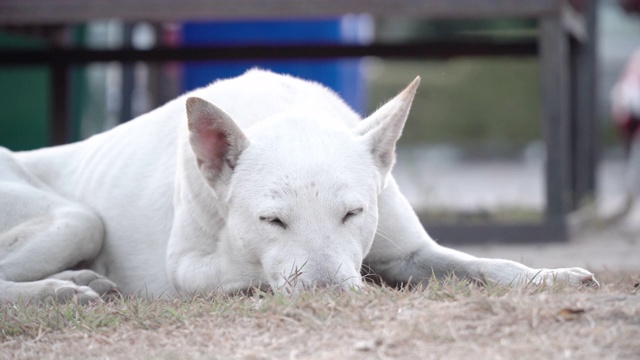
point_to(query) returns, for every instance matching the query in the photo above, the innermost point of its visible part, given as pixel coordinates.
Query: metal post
(585, 109)
(554, 53)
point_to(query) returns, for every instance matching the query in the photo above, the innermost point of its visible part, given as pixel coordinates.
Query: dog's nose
(333, 284)
(300, 285)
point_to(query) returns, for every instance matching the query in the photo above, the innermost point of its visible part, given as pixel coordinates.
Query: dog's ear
(382, 129)
(215, 138)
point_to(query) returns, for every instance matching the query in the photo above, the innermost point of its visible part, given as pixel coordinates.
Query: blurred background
(473, 150)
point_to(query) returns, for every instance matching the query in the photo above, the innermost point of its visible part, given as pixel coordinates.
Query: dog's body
(286, 188)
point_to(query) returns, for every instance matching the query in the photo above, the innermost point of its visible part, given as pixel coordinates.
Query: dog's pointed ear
(215, 138)
(382, 129)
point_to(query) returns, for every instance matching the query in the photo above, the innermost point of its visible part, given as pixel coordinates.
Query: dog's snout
(304, 272)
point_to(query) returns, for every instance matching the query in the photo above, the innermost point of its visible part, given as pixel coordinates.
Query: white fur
(279, 184)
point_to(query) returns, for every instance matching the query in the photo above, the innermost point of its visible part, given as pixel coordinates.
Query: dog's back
(260, 94)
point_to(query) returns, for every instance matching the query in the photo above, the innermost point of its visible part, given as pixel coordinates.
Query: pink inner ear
(213, 147)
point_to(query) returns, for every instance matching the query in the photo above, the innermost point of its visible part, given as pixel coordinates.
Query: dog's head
(301, 195)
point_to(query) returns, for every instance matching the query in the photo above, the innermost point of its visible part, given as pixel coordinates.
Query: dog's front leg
(403, 252)
(202, 261)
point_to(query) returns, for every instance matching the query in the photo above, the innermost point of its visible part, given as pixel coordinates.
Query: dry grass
(451, 319)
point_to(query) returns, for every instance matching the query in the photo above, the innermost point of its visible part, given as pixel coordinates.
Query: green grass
(472, 102)
(500, 214)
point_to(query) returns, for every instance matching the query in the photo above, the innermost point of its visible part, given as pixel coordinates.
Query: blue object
(343, 76)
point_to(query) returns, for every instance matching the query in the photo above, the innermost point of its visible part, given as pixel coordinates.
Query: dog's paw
(576, 277)
(103, 287)
(69, 292)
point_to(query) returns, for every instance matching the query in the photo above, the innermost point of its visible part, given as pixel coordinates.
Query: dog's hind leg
(41, 236)
(403, 252)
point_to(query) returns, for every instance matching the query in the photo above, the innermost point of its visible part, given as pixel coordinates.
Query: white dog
(286, 188)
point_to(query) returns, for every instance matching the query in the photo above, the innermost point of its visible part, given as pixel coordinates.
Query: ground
(452, 320)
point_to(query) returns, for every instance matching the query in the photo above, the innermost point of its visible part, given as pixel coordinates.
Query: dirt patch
(598, 250)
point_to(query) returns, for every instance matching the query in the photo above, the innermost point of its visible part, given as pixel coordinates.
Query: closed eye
(351, 214)
(273, 220)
